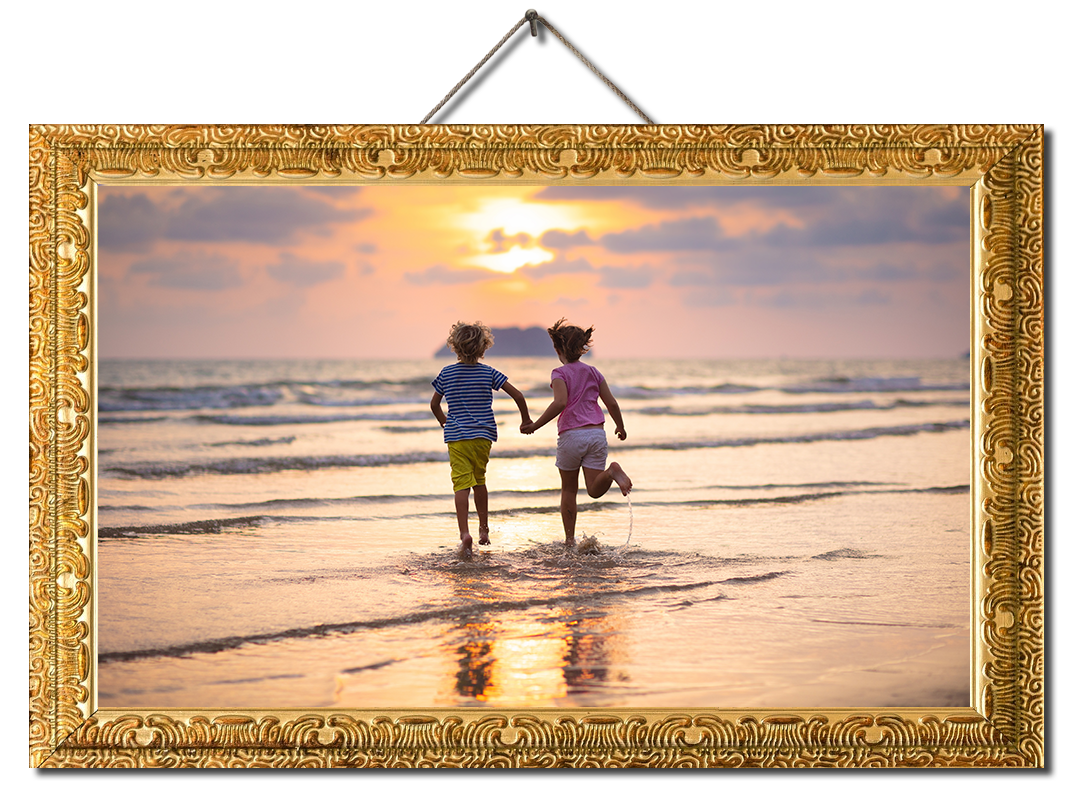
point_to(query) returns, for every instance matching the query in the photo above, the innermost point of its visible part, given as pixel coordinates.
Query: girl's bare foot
(484, 535)
(465, 552)
(620, 477)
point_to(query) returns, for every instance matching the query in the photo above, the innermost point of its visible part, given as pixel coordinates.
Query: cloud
(830, 215)
(840, 219)
(773, 196)
(335, 191)
(626, 277)
(366, 247)
(880, 215)
(777, 267)
(873, 297)
(557, 266)
(204, 273)
(695, 277)
(303, 273)
(274, 216)
(439, 274)
(757, 268)
(844, 231)
(680, 197)
(952, 211)
(709, 297)
(280, 306)
(129, 223)
(501, 243)
(133, 223)
(564, 240)
(788, 298)
(887, 273)
(695, 233)
(572, 302)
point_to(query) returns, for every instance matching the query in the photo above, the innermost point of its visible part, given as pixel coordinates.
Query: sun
(522, 223)
(513, 259)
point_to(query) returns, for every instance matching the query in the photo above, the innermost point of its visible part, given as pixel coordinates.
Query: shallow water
(283, 534)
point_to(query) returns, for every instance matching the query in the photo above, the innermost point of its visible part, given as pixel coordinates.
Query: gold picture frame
(1002, 727)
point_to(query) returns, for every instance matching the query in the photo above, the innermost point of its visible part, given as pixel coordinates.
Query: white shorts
(581, 447)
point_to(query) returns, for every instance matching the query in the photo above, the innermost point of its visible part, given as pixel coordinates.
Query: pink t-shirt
(582, 392)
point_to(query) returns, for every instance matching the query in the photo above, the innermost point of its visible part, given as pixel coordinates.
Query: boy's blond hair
(470, 341)
(570, 340)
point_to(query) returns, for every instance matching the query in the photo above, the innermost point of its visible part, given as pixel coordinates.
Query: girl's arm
(558, 403)
(519, 398)
(437, 411)
(612, 408)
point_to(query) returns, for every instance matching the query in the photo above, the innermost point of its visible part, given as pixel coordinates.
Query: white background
(327, 61)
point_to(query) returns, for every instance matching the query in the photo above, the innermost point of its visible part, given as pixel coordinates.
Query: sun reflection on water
(530, 656)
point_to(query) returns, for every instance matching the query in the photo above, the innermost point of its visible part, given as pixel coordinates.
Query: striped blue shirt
(468, 388)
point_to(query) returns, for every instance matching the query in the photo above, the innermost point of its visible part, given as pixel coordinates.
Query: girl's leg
(568, 503)
(597, 481)
(480, 500)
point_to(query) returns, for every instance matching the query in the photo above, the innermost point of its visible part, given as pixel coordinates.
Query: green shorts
(469, 459)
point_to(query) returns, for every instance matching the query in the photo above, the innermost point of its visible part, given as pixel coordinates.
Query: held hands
(530, 427)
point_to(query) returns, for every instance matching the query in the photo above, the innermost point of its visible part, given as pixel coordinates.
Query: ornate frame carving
(1004, 725)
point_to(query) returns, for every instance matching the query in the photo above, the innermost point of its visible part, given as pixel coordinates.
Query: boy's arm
(519, 398)
(437, 411)
(558, 403)
(612, 408)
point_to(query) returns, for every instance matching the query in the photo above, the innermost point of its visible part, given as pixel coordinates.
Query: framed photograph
(820, 542)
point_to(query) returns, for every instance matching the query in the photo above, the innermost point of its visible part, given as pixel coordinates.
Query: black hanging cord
(542, 30)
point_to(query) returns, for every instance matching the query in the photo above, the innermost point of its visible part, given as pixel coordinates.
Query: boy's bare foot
(570, 541)
(484, 535)
(465, 552)
(620, 477)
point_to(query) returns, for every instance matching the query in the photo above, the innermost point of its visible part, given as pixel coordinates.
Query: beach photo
(779, 518)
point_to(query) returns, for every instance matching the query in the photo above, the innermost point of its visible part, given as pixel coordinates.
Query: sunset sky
(661, 271)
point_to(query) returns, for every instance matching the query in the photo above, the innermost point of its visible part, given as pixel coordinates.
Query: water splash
(463, 553)
(587, 545)
(591, 554)
(629, 504)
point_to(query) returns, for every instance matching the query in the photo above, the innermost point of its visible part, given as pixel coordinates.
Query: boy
(469, 428)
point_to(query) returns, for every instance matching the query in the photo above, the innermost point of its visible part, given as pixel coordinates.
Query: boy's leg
(482, 448)
(461, 510)
(568, 502)
(480, 500)
(469, 458)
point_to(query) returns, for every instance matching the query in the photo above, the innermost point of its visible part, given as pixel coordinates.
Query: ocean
(282, 534)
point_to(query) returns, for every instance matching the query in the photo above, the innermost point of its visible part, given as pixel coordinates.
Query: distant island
(515, 342)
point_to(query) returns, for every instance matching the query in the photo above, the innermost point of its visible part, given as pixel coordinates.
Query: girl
(582, 442)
